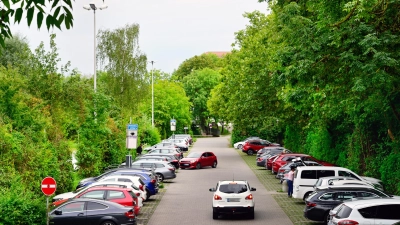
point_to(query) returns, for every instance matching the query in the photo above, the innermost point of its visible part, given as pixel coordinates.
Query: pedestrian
(139, 149)
(290, 178)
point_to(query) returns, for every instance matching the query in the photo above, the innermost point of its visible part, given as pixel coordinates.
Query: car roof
(232, 181)
(109, 188)
(337, 177)
(346, 186)
(369, 202)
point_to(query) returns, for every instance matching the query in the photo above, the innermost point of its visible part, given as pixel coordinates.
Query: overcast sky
(170, 30)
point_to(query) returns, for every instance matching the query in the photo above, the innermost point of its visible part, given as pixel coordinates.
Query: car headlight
(192, 161)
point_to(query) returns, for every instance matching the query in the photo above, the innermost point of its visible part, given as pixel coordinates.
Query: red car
(268, 164)
(252, 146)
(123, 196)
(283, 158)
(198, 160)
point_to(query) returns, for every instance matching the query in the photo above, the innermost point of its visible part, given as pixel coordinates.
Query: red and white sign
(49, 186)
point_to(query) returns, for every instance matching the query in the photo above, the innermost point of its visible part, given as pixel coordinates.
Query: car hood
(65, 195)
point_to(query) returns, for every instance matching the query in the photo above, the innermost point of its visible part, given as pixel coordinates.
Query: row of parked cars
(332, 194)
(117, 195)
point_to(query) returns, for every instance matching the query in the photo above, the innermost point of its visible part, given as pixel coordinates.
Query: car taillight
(130, 214)
(259, 159)
(281, 170)
(172, 169)
(138, 194)
(217, 197)
(310, 204)
(153, 181)
(141, 187)
(348, 222)
(249, 197)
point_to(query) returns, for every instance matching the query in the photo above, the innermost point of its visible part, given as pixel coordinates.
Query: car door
(94, 212)
(203, 159)
(118, 197)
(70, 213)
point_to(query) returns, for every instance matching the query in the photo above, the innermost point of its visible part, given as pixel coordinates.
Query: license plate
(186, 164)
(233, 200)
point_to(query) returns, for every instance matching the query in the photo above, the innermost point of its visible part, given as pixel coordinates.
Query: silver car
(164, 170)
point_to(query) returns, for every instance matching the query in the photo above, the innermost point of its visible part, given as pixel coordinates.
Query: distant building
(219, 54)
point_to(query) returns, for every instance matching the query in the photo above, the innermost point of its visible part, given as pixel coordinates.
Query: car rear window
(343, 212)
(233, 188)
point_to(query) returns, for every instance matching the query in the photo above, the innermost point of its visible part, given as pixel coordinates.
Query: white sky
(171, 31)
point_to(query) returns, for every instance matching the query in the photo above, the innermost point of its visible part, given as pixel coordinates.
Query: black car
(83, 211)
(321, 201)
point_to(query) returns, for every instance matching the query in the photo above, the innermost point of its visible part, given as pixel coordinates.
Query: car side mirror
(212, 189)
(332, 212)
(58, 212)
(253, 189)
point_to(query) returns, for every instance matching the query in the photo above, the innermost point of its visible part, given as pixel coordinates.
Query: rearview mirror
(58, 212)
(212, 189)
(253, 189)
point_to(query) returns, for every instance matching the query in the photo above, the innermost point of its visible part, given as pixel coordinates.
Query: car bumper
(187, 166)
(262, 163)
(315, 214)
(233, 210)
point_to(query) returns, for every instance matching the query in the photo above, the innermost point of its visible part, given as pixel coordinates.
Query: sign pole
(47, 210)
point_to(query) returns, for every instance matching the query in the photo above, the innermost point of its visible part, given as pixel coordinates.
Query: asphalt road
(188, 200)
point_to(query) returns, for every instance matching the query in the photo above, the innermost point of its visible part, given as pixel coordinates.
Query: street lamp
(152, 94)
(92, 6)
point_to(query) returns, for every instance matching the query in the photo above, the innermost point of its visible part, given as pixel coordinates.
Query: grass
(291, 206)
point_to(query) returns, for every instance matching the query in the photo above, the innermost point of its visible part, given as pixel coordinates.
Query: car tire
(198, 166)
(147, 194)
(306, 196)
(250, 152)
(108, 222)
(160, 177)
(215, 215)
(239, 147)
(214, 165)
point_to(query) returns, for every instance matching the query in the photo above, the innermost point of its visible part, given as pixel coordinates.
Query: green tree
(206, 60)
(125, 64)
(60, 12)
(198, 85)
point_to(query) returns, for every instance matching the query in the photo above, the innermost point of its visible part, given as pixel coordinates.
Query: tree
(206, 60)
(198, 85)
(125, 65)
(59, 13)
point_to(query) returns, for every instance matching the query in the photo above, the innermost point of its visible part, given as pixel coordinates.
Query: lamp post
(152, 94)
(92, 6)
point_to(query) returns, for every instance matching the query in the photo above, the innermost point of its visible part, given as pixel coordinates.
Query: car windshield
(194, 155)
(233, 188)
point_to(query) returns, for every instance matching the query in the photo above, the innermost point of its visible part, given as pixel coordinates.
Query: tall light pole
(152, 94)
(92, 6)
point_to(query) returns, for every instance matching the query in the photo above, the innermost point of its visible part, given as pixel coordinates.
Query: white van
(305, 178)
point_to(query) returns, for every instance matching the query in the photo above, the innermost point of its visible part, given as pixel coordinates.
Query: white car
(240, 144)
(233, 197)
(384, 211)
(130, 179)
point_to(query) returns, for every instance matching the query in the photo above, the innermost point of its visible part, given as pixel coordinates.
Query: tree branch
(348, 15)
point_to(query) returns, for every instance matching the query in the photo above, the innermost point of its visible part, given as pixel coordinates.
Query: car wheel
(108, 222)
(147, 194)
(160, 177)
(250, 152)
(198, 166)
(215, 215)
(327, 218)
(239, 146)
(306, 196)
(214, 164)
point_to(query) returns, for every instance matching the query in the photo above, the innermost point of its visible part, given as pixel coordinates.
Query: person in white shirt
(289, 178)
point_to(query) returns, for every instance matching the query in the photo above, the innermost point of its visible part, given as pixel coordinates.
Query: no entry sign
(49, 186)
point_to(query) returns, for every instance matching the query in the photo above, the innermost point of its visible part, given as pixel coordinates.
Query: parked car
(325, 198)
(175, 151)
(137, 184)
(368, 211)
(123, 196)
(325, 181)
(172, 158)
(240, 144)
(284, 170)
(287, 157)
(233, 197)
(269, 161)
(263, 159)
(182, 144)
(272, 149)
(198, 160)
(90, 180)
(188, 136)
(306, 176)
(161, 145)
(252, 146)
(65, 196)
(77, 212)
(164, 170)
